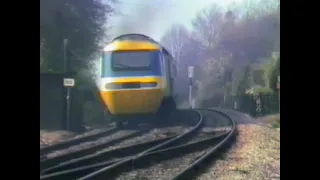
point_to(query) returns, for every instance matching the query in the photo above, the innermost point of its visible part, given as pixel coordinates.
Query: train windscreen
(133, 60)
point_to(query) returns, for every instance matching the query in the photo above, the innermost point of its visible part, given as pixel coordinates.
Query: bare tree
(208, 25)
(175, 41)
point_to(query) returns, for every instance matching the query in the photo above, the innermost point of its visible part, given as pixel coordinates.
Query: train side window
(171, 63)
(102, 64)
(163, 59)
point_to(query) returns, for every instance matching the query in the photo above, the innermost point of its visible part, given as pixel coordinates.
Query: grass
(272, 120)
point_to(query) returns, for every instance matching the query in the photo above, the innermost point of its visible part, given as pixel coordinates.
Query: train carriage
(136, 78)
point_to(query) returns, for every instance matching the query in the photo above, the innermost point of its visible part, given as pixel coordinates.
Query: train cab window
(133, 60)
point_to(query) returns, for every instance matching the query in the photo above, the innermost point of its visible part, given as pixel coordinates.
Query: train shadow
(183, 118)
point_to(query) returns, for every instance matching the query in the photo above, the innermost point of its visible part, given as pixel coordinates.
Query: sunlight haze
(153, 18)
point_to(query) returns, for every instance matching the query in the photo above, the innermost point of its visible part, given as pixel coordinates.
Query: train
(136, 80)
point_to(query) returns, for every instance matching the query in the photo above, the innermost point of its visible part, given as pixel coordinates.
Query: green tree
(272, 71)
(82, 22)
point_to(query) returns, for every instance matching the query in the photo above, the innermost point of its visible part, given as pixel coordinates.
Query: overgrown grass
(272, 120)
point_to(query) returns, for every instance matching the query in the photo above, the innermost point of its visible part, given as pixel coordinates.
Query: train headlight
(112, 86)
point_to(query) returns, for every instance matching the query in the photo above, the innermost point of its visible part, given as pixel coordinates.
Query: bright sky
(154, 17)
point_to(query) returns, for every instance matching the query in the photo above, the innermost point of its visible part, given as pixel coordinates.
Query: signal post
(190, 74)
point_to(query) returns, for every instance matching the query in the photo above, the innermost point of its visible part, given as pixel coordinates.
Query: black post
(66, 71)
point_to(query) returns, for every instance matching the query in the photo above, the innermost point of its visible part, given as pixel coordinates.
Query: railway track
(148, 135)
(141, 159)
(76, 140)
(87, 148)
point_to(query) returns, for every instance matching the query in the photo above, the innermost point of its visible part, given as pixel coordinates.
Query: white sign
(190, 71)
(68, 82)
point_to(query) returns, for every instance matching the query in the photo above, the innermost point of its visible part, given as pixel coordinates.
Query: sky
(155, 17)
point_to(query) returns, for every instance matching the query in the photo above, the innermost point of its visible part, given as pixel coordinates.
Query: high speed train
(137, 79)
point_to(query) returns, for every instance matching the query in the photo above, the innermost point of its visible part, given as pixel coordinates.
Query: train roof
(131, 46)
(134, 37)
(132, 42)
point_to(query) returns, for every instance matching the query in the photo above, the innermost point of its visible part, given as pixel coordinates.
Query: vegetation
(84, 24)
(236, 51)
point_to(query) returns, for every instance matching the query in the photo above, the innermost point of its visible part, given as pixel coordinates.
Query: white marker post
(190, 74)
(193, 103)
(68, 83)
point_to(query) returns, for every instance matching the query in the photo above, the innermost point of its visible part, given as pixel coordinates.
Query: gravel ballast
(213, 123)
(89, 144)
(154, 134)
(162, 170)
(48, 138)
(255, 155)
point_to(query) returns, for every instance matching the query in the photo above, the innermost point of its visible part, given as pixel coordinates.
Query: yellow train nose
(133, 101)
(133, 95)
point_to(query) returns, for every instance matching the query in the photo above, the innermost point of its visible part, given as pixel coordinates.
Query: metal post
(224, 98)
(279, 92)
(190, 93)
(65, 55)
(190, 73)
(66, 70)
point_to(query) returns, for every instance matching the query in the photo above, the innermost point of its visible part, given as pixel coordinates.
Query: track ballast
(151, 159)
